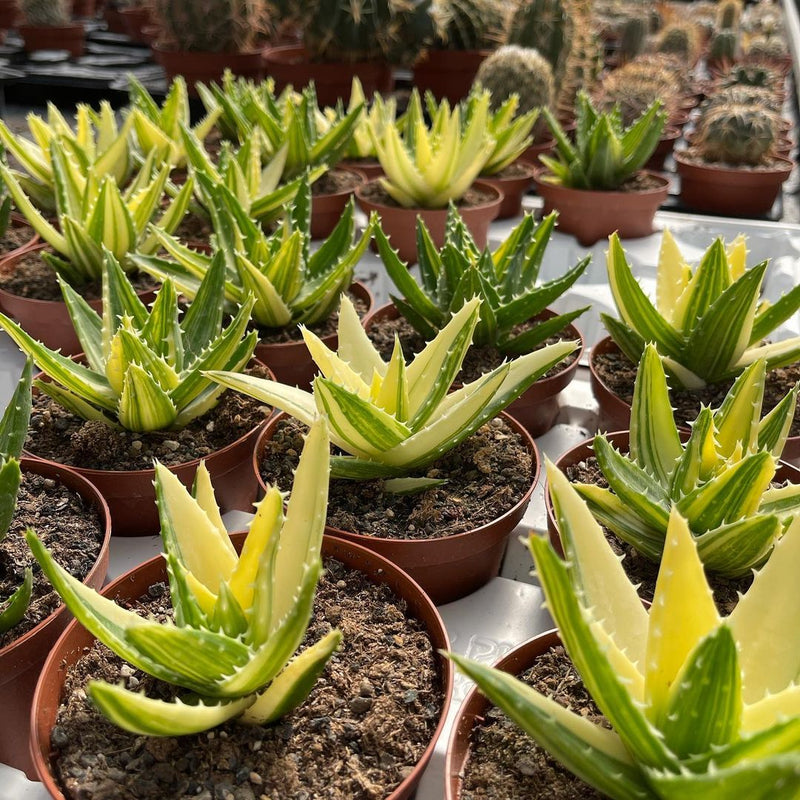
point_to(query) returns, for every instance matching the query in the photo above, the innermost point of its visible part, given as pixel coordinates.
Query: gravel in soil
(486, 475)
(15, 237)
(505, 763)
(56, 434)
(373, 192)
(643, 572)
(325, 328)
(70, 528)
(516, 169)
(336, 181)
(479, 359)
(359, 733)
(618, 373)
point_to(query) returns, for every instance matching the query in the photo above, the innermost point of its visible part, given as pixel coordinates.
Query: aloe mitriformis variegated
(720, 480)
(238, 619)
(699, 706)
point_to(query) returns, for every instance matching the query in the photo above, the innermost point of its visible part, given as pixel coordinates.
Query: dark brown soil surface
(771, 164)
(641, 570)
(618, 373)
(69, 527)
(31, 277)
(322, 329)
(194, 228)
(58, 435)
(15, 237)
(506, 764)
(478, 360)
(516, 169)
(640, 182)
(486, 476)
(336, 181)
(373, 192)
(359, 733)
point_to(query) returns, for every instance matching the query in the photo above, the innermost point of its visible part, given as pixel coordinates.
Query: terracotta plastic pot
(327, 209)
(537, 408)
(289, 64)
(21, 661)
(370, 168)
(665, 146)
(83, 8)
(291, 362)
(54, 37)
(591, 216)
(446, 568)
(449, 74)
(9, 14)
(475, 706)
(114, 21)
(70, 647)
(134, 20)
(728, 190)
(512, 188)
(8, 260)
(531, 155)
(208, 67)
(400, 224)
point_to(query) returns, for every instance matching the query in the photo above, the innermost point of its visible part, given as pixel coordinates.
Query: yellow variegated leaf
(737, 256)
(770, 711)
(203, 492)
(355, 347)
(671, 277)
(206, 599)
(393, 394)
(333, 367)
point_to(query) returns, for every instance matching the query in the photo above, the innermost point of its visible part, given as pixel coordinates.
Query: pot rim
(374, 562)
(530, 171)
(419, 211)
(284, 53)
(543, 172)
(784, 168)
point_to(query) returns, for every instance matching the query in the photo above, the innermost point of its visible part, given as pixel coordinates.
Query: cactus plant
(729, 13)
(469, 24)
(737, 134)
(767, 48)
(757, 75)
(211, 26)
(680, 40)
(724, 46)
(545, 26)
(46, 12)
(738, 95)
(584, 62)
(512, 69)
(633, 38)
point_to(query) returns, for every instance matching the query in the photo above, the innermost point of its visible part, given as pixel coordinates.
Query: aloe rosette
(393, 418)
(290, 284)
(709, 323)
(699, 706)
(144, 368)
(380, 113)
(504, 279)
(238, 619)
(719, 480)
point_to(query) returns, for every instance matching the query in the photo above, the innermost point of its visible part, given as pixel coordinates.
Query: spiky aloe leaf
(13, 609)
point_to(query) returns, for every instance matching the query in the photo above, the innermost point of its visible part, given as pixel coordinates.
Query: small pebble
(360, 705)
(256, 779)
(170, 444)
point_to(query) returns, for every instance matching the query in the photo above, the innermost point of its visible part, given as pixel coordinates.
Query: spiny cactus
(767, 48)
(585, 60)
(724, 46)
(365, 30)
(521, 71)
(743, 95)
(633, 38)
(546, 26)
(751, 75)
(736, 134)
(632, 99)
(212, 25)
(679, 39)
(46, 12)
(729, 13)
(469, 24)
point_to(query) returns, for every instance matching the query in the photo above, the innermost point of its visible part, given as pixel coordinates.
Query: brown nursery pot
(291, 362)
(446, 568)
(114, 20)
(83, 8)
(21, 661)
(135, 20)
(327, 209)
(289, 64)
(591, 216)
(9, 14)
(512, 188)
(531, 155)
(449, 74)
(207, 67)
(730, 190)
(475, 706)
(400, 224)
(71, 646)
(370, 168)
(54, 37)
(10, 258)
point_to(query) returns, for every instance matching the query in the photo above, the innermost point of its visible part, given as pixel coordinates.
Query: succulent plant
(757, 75)
(724, 46)
(631, 99)
(394, 418)
(96, 142)
(514, 70)
(729, 13)
(46, 12)
(13, 429)
(743, 95)
(505, 280)
(289, 284)
(238, 619)
(679, 39)
(545, 26)
(144, 369)
(699, 706)
(633, 37)
(767, 48)
(719, 480)
(469, 24)
(707, 322)
(367, 30)
(736, 134)
(94, 213)
(585, 60)
(605, 154)
(428, 166)
(212, 26)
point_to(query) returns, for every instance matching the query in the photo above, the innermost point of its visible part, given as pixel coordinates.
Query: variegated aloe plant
(93, 213)
(708, 323)
(144, 369)
(380, 113)
(13, 429)
(290, 284)
(700, 706)
(97, 142)
(719, 480)
(238, 619)
(395, 418)
(504, 280)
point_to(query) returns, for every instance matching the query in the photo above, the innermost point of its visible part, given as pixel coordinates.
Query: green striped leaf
(774, 428)
(699, 457)
(735, 549)
(774, 315)
(14, 422)
(736, 422)
(143, 404)
(13, 609)
(709, 281)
